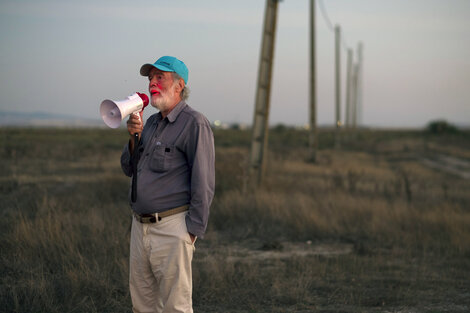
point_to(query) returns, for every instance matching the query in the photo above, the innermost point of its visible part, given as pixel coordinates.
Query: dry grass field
(380, 225)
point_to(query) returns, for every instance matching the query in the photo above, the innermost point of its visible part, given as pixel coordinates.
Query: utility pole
(359, 83)
(337, 85)
(259, 140)
(348, 90)
(313, 134)
(354, 95)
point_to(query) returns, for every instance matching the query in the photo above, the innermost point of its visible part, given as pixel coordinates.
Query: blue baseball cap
(167, 64)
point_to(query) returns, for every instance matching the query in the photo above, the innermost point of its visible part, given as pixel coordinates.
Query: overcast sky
(68, 56)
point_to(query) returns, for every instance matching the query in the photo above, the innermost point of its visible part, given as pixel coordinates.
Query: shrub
(441, 127)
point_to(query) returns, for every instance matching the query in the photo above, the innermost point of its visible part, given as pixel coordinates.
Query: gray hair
(185, 92)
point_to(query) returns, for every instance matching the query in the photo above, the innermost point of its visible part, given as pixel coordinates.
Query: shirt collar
(173, 115)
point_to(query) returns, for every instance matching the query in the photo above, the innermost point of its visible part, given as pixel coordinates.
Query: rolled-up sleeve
(201, 158)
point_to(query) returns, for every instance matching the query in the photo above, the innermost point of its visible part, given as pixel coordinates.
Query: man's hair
(185, 92)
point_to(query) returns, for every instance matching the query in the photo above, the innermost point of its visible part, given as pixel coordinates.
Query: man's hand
(134, 126)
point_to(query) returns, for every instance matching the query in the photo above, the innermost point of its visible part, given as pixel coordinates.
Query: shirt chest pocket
(162, 157)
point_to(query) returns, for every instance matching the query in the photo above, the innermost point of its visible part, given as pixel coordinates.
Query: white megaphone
(113, 112)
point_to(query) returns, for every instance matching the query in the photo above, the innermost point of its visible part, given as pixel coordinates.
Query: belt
(154, 217)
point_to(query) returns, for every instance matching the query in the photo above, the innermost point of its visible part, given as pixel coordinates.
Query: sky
(66, 57)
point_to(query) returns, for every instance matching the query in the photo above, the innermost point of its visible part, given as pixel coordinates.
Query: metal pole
(259, 141)
(313, 134)
(337, 84)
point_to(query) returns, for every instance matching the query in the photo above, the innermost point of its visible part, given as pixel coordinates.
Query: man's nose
(153, 83)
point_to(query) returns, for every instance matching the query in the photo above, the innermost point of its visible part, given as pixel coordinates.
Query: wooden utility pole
(313, 134)
(337, 85)
(259, 140)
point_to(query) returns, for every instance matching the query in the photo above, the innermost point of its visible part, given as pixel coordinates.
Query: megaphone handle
(138, 115)
(135, 160)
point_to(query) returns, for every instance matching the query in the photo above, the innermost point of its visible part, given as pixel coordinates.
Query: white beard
(164, 101)
(161, 103)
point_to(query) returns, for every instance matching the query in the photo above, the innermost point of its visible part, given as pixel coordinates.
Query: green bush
(441, 127)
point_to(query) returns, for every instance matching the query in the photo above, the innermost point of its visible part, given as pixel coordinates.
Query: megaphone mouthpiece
(144, 98)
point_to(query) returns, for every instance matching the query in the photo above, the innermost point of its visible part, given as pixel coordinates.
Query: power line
(325, 16)
(330, 25)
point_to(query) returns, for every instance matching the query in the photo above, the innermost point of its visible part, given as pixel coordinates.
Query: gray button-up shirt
(176, 166)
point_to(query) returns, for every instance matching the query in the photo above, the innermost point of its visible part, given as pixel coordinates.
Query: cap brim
(145, 69)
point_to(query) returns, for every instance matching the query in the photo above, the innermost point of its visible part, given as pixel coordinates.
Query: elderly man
(175, 187)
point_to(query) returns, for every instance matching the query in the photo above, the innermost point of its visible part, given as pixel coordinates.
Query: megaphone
(113, 112)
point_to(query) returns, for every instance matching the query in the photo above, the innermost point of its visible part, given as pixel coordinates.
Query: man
(175, 187)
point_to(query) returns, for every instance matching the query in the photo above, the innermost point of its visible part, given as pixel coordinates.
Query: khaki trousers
(160, 276)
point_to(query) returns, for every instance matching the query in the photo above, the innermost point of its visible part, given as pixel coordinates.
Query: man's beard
(163, 102)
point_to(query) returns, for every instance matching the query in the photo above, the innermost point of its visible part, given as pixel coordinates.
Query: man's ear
(180, 86)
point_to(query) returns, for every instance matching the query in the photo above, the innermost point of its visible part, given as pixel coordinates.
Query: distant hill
(44, 119)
